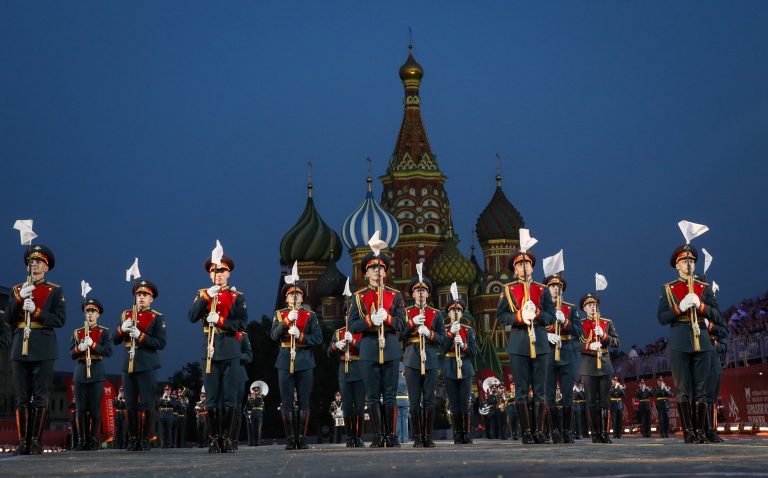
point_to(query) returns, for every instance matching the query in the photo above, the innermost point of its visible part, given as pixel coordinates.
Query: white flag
(600, 282)
(691, 230)
(526, 241)
(84, 288)
(554, 264)
(707, 259)
(133, 271)
(376, 244)
(294, 275)
(217, 253)
(715, 287)
(24, 226)
(347, 292)
(419, 271)
(454, 292)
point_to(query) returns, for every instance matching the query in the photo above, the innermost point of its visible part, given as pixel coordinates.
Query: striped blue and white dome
(368, 218)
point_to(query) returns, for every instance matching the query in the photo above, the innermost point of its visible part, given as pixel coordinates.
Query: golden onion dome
(411, 70)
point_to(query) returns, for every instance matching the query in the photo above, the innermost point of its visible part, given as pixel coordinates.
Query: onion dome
(310, 239)
(411, 68)
(500, 219)
(452, 266)
(331, 283)
(368, 218)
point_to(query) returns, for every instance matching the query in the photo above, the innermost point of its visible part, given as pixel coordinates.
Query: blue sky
(151, 129)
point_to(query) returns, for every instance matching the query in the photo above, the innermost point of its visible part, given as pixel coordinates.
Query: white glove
(458, 340)
(382, 342)
(379, 317)
(560, 316)
(341, 344)
(529, 312)
(82, 347)
(26, 291)
(294, 331)
(594, 346)
(419, 319)
(135, 333)
(213, 318)
(213, 290)
(455, 327)
(293, 315)
(423, 330)
(694, 299)
(348, 337)
(126, 325)
(599, 331)
(685, 304)
(88, 341)
(554, 339)
(29, 305)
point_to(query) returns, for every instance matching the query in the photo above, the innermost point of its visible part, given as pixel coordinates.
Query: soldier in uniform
(718, 333)
(200, 420)
(527, 307)
(347, 344)
(598, 334)
(301, 325)
(337, 416)
(254, 408)
(222, 311)
(166, 414)
(44, 302)
(617, 406)
(511, 412)
(579, 409)
(459, 349)
(681, 301)
(403, 405)
(118, 403)
(88, 350)
(563, 335)
(424, 325)
(378, 307)
(147, 332)
(662, 393)
(643, 396)
(182, 407)
(246, 357)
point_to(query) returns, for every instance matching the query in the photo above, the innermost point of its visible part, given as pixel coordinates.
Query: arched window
(405, 268)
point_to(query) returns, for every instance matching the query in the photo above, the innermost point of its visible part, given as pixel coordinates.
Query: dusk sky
(150, 129)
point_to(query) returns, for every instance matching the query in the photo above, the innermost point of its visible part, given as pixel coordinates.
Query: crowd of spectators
(748, 318)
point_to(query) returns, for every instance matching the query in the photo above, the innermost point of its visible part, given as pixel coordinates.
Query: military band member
(677, 307)
(563, 334)
(403, 405)
(375, 307)
(337, 418)
(254, 408)
(424, 325)
(165, 408)
(33, 371)
(93, 348)
(718, 333)
(200, 420)
(351, 384)
(118, 404)
(662, 394)
(462, 338)
(643, 396)
(617, 406)
(598, 335)
(147, 331)
(224, 382)
(302, 325)
(527, 306)
(579, 409)
(182, 400)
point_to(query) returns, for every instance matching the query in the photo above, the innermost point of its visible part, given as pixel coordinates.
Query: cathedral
(414, 218)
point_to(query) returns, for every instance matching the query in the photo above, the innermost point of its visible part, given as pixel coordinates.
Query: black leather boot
(22, 427)
(553, 426)
(700, 422)
(145, 423)
(541, 418)
(301, 441)
(227, 427)
(686, 421)
(390, 417)
(133, 430)
(38, 425)
(429, 423)
(374, 412)
(93, 432)
(456, 425)
(567, 421)
(711, 428)
(466, 428)
(213, 424)
(593, 414)
(359, 425)
(349, 430)
(80, 425)
(416, 427)
(290, 438)
(605, 426)
(525, 422)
